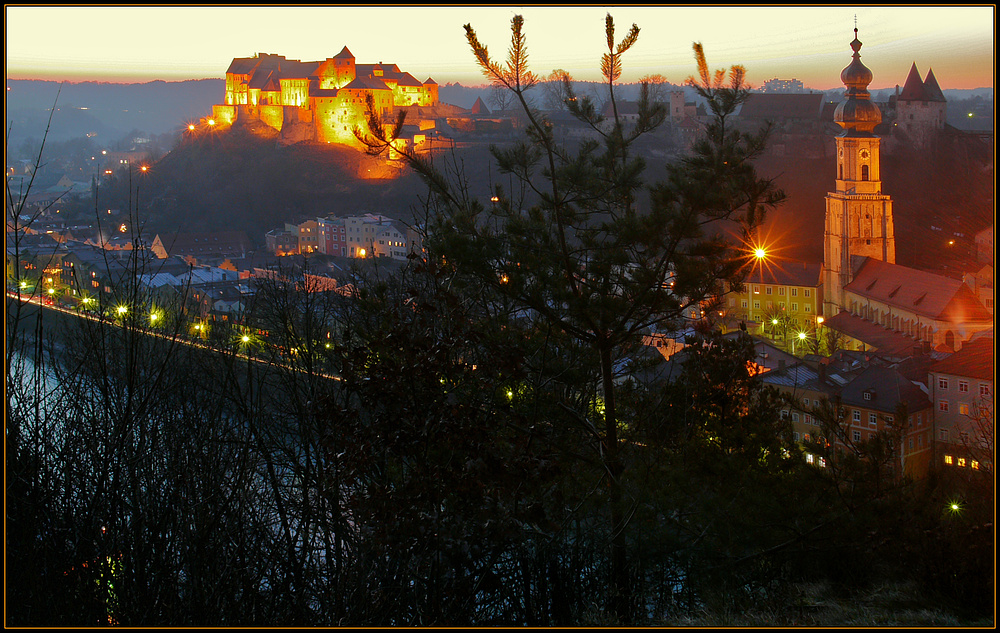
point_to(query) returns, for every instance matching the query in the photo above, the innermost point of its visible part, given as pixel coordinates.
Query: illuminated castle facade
(322, 101)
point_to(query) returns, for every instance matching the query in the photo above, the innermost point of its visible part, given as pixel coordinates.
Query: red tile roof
(917, 291)
(885, 342)
(974, 360)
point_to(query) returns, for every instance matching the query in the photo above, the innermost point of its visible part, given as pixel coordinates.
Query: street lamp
(802, 337)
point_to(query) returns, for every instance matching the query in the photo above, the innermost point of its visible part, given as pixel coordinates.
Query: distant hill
(105, 109)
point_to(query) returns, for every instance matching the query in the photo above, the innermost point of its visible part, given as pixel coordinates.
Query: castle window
(864, 172)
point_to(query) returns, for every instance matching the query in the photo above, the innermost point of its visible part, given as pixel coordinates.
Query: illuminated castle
(322, 101)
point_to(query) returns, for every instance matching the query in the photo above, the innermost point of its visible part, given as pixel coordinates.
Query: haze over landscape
(179, 43)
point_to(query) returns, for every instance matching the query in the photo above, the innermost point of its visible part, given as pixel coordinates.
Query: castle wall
(225, 114)
(272, 115)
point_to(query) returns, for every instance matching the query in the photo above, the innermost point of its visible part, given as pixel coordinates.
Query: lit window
(974, 465)
(948, 460)
(809, 458)
(822, 462)
(961, 462)
(963, 408)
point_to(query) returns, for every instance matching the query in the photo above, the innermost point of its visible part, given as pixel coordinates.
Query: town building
(961, 388)
(788, 292)
(783, 86)
(200, 246)
(321, 100)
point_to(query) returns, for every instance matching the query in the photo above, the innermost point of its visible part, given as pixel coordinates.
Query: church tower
(858, 215)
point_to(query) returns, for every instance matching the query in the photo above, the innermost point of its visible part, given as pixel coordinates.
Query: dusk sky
(139, 44)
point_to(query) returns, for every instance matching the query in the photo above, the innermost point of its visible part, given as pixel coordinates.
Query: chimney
(822, 372)
(781, 366)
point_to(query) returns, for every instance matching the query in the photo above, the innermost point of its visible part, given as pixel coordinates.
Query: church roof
(913, 89)
(885, 342)
(917, 291)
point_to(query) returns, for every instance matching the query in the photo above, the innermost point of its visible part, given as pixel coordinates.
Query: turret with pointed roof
(920, 107)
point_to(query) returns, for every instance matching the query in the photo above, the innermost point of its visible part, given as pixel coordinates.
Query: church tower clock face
(864, 154)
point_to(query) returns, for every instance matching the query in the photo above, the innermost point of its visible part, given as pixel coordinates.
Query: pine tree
(585, 257)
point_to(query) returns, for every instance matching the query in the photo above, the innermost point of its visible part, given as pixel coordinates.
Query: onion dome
(857, 112)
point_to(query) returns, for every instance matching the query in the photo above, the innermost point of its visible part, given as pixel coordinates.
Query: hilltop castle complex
(321, 101)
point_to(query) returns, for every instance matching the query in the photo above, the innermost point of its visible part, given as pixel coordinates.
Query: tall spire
(857, 113)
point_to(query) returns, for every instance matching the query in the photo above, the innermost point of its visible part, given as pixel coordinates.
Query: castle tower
(858, 215)
(920, 108)
(344, 70)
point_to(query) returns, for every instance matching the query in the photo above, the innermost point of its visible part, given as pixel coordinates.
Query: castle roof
(931, 88)
(430, 82)
(913, 89)
(241, 66)
(479, 107)
(366, 83)
(917, 291)
(406, 79)
(344, 54)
